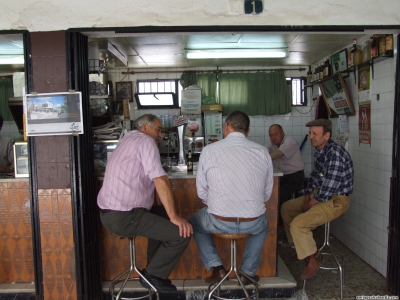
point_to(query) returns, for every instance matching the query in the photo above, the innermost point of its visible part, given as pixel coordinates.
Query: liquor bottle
(309, 76)
(374, 46)
(353, 51)
(389, 45)
(190, 162)
(327, 67)
(382, 45)
(321, 71)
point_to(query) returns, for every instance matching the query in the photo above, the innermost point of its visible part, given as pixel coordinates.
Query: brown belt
(232, 219)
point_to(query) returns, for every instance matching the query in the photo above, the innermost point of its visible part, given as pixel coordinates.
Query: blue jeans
(204, 224)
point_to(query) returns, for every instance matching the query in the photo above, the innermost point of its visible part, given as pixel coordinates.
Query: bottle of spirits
(374, 46)
(190, 162)
(309, 76)
(389, 45)
(353, 51)
(327, 67)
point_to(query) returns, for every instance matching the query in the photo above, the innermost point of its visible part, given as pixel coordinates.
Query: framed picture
(21, 165)
(124, 90)
(53, 114)
(336, 96)
(339, 61)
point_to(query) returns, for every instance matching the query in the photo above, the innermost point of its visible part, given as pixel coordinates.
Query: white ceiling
(168, 49)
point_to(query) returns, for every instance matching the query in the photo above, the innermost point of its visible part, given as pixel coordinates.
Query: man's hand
(185, 228)
(309, 203)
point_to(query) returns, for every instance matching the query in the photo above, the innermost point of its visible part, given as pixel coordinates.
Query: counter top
(177, 175)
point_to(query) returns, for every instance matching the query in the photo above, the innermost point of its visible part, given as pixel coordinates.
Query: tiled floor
(360, 278)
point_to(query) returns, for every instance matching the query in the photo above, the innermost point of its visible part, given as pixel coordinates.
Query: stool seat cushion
(232, 236)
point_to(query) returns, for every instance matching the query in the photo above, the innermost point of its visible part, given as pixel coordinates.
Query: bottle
(190, 162)
(353, 51)
(358, 56)
(389, 45)
(374, 46)
(309, 75)
(366, 51)
(327, 70)
(382, 45)
(321, 71)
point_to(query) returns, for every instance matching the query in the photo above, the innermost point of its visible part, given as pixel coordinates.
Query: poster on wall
(364, 122)
(53, 114)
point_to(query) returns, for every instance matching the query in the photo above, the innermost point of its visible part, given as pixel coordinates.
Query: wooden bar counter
(114, 253)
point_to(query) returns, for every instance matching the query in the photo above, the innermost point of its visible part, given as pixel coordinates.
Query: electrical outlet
(377, 97)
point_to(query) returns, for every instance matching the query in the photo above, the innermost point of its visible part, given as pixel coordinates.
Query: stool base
(127, 274)
(215, 287)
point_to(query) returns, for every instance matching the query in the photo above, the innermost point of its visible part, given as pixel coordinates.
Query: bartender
(6, 153)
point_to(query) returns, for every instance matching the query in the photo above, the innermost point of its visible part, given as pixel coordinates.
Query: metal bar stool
(128, 272)
(336, 254)
(215, 287)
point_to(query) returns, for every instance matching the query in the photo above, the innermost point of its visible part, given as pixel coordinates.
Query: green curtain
(207, 82)
(254, 93)
(6, 91)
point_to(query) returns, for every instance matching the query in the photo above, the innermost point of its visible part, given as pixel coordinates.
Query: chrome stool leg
(128, 272)
(336, 254)
(215, 287)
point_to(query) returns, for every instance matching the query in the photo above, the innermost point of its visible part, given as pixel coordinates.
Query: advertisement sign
(53, 114)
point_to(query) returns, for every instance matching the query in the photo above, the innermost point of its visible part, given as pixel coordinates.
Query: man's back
(235, 177)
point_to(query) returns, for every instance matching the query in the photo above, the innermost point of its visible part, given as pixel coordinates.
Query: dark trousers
(165, 245)
(289, 184)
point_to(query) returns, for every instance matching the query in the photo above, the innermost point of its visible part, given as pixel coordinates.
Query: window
(160, 86)
(297, 91)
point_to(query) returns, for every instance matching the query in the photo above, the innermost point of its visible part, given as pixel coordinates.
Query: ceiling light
(236, 53)
(11, 59)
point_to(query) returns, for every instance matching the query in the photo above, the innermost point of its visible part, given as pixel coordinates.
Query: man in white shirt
(286, 156)
(234, 179)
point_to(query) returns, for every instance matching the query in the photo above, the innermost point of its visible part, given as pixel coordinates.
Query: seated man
(126, 201)
(325, 198)
(234, 179)
(6, 153)
(286, 156)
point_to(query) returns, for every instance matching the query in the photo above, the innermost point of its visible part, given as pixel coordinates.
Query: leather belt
(232, 219)
(106, 211)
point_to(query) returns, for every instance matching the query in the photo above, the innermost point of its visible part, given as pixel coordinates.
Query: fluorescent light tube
(236, 53)
(11, 59)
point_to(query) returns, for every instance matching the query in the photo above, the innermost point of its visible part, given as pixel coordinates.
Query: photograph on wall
(364, 123)
(364, 79)
(124, 90)
(53, 114)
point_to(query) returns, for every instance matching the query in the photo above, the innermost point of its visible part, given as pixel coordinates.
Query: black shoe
(162, 285)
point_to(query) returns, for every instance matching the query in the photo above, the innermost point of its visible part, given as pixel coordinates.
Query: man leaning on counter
(127, 196)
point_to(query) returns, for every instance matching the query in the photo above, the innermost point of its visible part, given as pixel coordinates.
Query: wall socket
(377, 97)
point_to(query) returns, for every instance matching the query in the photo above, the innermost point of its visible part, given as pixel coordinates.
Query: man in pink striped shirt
(127, 196)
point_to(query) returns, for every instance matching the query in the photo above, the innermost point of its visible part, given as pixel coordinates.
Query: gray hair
(147, 118)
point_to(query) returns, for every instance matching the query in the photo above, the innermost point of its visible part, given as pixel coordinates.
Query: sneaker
(162, 285)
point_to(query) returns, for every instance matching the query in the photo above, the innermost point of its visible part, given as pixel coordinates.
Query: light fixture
(11, 59)
(236, 53)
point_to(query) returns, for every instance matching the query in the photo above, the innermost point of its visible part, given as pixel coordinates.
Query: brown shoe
(246, 281)
(312, 266)
(215, 276)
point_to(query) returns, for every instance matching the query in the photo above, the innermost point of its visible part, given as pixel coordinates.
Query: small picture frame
(339, 61)
(21, 163)
(124, 90)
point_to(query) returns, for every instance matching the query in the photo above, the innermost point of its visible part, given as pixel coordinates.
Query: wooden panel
(114, 252)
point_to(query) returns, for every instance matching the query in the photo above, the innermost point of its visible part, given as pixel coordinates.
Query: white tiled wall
(364, 226)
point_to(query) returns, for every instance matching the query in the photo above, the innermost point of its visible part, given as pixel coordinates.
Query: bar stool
(336, 254)
(128, 272)
(215, 287)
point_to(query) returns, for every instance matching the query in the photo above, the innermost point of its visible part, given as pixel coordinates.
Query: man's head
(237, 121)
(276, 134)
(150, 125)
(320, 132)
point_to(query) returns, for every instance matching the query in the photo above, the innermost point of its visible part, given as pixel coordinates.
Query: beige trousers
(299, 224)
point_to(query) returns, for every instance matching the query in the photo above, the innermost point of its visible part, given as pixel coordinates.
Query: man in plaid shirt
(325, 198)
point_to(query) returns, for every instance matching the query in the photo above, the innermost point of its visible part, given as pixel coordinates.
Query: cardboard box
(211, 107)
